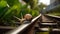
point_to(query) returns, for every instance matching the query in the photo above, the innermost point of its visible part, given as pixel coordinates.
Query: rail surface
(25, 28)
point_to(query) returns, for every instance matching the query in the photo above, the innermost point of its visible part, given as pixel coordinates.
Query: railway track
(47, 25)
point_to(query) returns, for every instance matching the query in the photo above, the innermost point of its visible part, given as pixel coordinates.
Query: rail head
(19, 29)
(52, 17)
(23, 27)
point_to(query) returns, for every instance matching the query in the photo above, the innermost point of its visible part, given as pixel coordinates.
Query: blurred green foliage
(10, 8)
(55, 12)
(42, 32)
(32, 3)
(3, 4)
